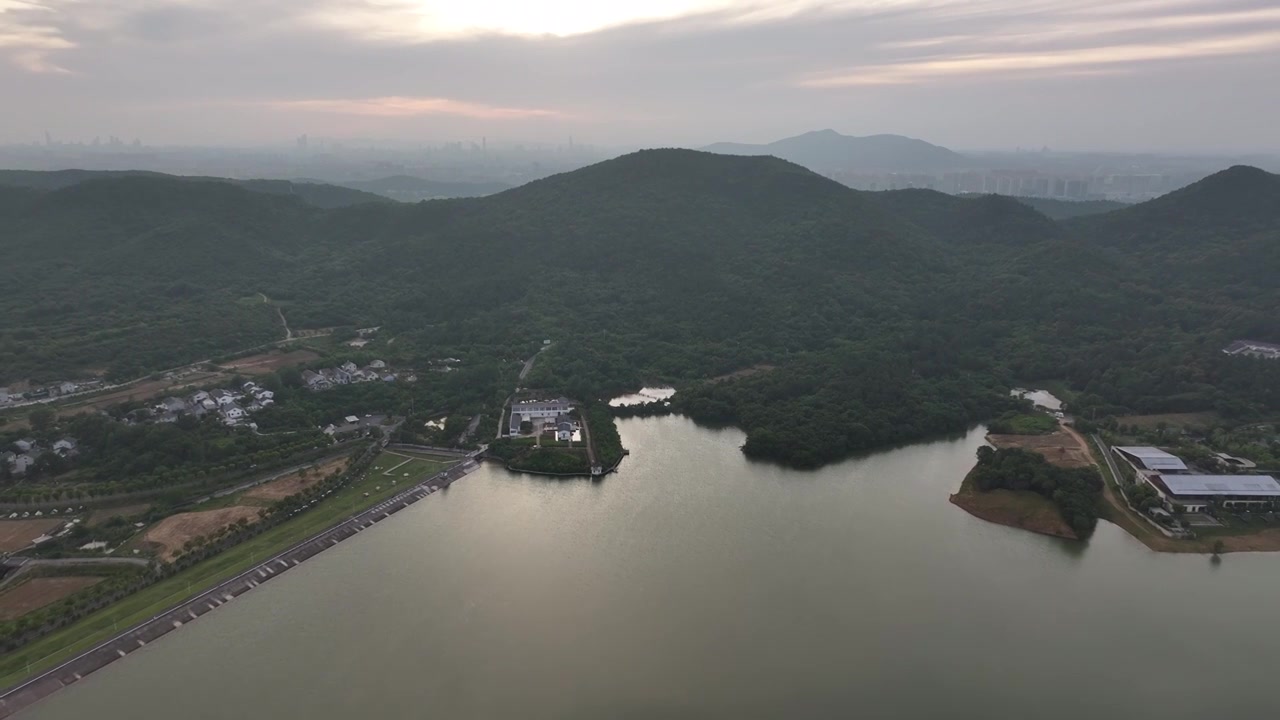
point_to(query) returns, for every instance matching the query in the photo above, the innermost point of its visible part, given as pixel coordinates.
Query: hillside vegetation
(886, 317)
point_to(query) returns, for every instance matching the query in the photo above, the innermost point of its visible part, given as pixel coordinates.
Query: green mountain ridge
(888, 316)
(314, 193)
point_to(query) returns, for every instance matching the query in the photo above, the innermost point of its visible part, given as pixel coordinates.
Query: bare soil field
(1058, 447)
(269, 362)
(17, 534)
(169, 535)
(289, 485)
(37, 592)
(144, 390)
(125, 511)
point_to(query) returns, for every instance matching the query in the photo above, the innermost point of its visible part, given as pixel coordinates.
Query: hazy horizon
(1177, 77)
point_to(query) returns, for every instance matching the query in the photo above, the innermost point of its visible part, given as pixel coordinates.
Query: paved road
(528, 365)
(50, 681)
(25, 565)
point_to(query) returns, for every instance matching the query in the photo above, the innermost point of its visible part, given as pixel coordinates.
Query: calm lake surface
(696, 584)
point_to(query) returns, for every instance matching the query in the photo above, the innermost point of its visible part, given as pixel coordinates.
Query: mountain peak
(828, 150)
(1238, 194)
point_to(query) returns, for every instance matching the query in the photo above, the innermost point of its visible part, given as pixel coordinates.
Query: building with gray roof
(1151, 459)
(1197, 492)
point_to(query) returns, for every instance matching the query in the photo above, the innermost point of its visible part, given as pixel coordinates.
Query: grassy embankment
(60, 646)
(1021, 509)
(1023, 424)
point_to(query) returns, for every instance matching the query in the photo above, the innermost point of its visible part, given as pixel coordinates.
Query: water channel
(696, 584)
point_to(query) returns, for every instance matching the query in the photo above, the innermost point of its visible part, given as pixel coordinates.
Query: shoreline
(1022, 510)
(1004, 507)
(44, 683)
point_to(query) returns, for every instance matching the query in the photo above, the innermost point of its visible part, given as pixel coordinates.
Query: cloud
(411, 107)
(29, 34)
(1029, 63)
(673, 71)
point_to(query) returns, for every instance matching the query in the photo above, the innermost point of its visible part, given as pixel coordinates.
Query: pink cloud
(401, 106)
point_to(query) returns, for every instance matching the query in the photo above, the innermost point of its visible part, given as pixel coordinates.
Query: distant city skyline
(1187, 76)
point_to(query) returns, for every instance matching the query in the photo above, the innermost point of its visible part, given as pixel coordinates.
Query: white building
(564, 431)
(531, 410)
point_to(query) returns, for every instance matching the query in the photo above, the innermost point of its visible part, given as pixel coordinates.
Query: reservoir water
(696, 584)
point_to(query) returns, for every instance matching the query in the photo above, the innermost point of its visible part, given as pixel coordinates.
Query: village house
(24, 445)
(344, 374)
(314, 380)
(21, 464)
(172, 405)
(65, 447)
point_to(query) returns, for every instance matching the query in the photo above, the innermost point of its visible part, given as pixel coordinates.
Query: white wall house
(530, 410)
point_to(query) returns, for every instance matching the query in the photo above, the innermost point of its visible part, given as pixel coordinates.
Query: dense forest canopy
(883, 317)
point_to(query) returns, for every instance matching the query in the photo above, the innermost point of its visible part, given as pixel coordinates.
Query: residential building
(172, 405)
(21, 463)
(315, 380)
(564, 431)
(65, 447)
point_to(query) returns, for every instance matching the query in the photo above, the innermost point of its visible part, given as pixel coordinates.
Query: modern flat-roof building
(1151, 459)
(1196, 492)
(530, 410)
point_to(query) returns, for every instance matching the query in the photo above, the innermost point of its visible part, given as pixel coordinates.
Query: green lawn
(410, 467)
(1023, 424)
(65, 643)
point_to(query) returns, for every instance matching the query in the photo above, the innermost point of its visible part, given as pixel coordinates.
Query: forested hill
(885, 317)
(830, 150)
(314, 193)
(408, 188)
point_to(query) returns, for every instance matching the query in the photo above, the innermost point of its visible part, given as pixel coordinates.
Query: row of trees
(122, 582)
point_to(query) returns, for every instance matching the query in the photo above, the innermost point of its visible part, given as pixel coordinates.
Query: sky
(1112, 75)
